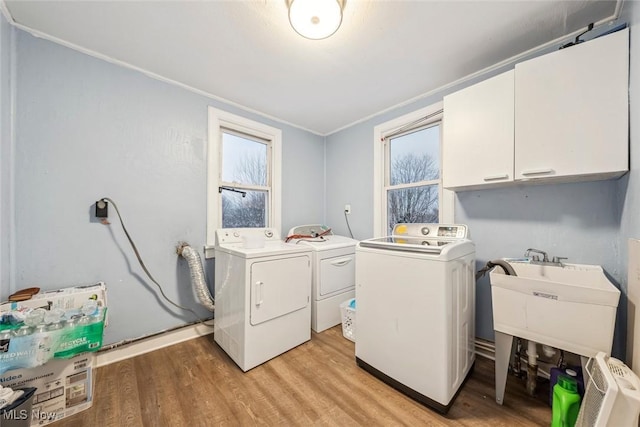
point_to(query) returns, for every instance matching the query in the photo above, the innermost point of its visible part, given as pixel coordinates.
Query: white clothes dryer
(415, 315)
(262, 295)
(333, 271)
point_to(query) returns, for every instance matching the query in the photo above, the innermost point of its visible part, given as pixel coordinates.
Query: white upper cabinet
(478, 134)
(559, 117)
(571, 112)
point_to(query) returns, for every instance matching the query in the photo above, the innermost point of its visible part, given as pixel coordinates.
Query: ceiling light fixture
(315, 19)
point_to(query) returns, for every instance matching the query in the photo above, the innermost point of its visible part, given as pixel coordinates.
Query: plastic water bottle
(35, 317)
(566, 402)
(22, 331)
(90, 307)
(53, 316)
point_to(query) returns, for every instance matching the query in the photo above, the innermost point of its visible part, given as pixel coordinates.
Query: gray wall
(87, 129)
(629, 185)
(587, 222)
(6, 37)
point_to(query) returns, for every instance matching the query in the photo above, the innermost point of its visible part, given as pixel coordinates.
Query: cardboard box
(73, 297)
(65, 299)
(64, 387)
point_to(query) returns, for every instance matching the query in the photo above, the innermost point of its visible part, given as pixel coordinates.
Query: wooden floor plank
(195, 383)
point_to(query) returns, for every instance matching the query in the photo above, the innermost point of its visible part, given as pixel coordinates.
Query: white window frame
(446, 198)
(219, 120)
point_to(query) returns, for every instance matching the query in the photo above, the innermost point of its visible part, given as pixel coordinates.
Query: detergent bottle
(566, 402)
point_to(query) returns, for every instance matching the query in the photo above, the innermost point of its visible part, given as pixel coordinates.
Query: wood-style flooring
(194, 383)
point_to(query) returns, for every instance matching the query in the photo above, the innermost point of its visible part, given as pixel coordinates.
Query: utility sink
(569, 306)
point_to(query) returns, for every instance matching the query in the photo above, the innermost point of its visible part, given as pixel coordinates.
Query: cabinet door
(572, 111)
(477, 145)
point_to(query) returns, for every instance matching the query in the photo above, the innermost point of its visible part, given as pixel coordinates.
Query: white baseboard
(483, 348)
(155, 342)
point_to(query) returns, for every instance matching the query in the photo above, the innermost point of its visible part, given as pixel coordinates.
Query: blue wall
(6, 145)
(87, 129)
(629, 185)
(587, 222)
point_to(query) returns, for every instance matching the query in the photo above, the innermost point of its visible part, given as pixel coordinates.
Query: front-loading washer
(416, 310)
(333, 271)
(262, 295)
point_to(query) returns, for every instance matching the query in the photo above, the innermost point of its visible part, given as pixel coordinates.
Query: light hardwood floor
(195, 383)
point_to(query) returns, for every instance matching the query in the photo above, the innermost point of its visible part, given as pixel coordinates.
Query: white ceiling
(245, 52)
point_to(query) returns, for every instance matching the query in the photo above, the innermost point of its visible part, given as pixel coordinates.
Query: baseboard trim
(156, 342)
(484, 348)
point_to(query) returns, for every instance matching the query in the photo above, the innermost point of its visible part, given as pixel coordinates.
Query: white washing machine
(333, 271)
(415, 314)
(262, 295)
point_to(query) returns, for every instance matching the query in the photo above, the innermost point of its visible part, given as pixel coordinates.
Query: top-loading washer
(333, 271)
(416, 310)
(262, 295)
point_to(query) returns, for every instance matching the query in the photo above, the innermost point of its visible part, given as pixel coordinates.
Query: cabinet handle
(537, 172)
(496, 177)
(341, 262)
(258, 288)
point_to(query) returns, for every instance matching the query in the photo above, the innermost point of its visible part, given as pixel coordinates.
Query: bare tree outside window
(246, 166)
(413, 159)
(415, 204)
(248, 211)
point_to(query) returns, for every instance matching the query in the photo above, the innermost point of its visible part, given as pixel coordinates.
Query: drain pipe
(532, 368)
(197, 275)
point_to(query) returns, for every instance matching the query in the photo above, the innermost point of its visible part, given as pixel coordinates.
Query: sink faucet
(557, 260)
(545, 257)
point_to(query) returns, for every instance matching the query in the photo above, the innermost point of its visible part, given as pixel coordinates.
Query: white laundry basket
(348, 315)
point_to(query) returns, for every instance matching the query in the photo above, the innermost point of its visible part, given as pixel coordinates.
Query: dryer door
(279, 287)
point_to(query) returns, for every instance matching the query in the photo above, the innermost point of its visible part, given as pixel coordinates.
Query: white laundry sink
(570, 306)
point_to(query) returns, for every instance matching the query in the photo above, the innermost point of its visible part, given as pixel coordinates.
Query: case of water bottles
(63, 324)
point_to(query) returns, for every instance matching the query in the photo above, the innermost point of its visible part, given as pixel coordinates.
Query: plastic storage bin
(348, 315)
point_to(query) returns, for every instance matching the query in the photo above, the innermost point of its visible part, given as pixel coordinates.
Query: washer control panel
(442, 231)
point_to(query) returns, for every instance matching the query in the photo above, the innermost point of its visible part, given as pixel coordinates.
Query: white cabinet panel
(478, 132)
(571, 111)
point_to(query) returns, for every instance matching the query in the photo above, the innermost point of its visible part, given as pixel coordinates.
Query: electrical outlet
(102, 209)
(347, 209)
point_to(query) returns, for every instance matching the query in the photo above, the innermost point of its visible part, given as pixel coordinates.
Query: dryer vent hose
(197, 275)
(498, 262)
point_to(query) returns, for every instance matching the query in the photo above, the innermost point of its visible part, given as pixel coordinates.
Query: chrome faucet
(545, 257)
(557, 260)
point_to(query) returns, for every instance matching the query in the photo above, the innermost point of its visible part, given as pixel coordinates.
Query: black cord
(144, 267)
(348, 226)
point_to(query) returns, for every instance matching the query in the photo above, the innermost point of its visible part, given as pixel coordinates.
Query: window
(243, 174)
(408, 178)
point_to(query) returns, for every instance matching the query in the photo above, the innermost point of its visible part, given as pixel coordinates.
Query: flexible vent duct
(197, 275)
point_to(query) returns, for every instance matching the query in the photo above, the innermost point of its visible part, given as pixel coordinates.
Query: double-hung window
(243, 174)
(408, 178)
